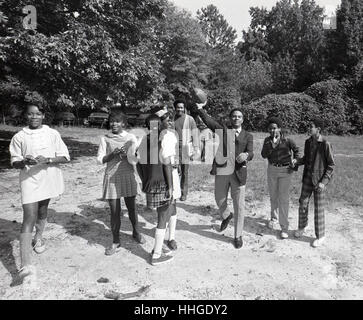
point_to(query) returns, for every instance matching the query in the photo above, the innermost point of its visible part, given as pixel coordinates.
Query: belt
(280, 164)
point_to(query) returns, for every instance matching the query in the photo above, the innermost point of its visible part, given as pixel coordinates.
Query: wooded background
(95, 53)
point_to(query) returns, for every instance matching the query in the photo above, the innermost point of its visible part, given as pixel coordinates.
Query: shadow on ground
(9, 231)
(93, 225)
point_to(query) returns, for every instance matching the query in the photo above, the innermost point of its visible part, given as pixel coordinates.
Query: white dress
(43, 181)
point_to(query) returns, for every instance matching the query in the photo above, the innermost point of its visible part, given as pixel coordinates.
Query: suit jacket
(243, 143)
(322, 166)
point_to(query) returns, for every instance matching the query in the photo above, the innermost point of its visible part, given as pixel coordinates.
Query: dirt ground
(206, 265)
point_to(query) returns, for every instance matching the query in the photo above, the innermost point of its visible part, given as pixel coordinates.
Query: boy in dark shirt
(318, 161)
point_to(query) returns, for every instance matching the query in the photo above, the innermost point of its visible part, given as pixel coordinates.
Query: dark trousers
(184, 179)
(202, 150)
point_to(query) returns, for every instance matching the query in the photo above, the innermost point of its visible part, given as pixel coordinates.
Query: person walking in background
(187, 131)
(156, 174)
(36, 150)
(282, 154)
(117, 150)
(230, 167)
(318, 161)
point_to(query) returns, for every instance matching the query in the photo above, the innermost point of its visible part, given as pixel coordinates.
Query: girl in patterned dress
(156, 174)
(36, 150)
(117, 150)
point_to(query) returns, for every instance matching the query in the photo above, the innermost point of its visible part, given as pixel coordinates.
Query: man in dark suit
(235, 150)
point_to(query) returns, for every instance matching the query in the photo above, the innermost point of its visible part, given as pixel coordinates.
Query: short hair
(318, 122)
(118, 115)
(177, 101)
(164, 116)
(275, 120)
(40, 107)
(234, 110)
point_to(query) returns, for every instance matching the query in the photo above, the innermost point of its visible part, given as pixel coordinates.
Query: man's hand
(320, 187)
(242, 157)
(201, 105)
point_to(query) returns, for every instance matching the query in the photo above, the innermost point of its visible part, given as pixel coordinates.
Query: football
(199, 95)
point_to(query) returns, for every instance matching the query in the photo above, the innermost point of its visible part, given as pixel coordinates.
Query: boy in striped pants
(318, 161)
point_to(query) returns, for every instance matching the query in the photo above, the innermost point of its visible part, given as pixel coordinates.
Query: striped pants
(319, 205)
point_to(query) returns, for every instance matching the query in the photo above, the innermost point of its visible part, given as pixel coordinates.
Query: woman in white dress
(36, 150)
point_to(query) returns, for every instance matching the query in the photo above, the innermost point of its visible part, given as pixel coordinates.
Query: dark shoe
(172, 245)
(162, 259)
(225, 222)
(238, 243)
(183, 198)
(139, 238)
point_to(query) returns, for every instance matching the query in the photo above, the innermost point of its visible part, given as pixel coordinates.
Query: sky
(236, 11)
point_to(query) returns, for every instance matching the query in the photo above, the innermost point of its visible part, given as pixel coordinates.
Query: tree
(348, 38)
(223, 63)
(255, 79)
(181, 52)
(90, 51)
(284, 73)
(218, 32)
(291, 30)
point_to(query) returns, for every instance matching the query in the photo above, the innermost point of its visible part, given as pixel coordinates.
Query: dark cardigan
(156, 178)
(322, 168)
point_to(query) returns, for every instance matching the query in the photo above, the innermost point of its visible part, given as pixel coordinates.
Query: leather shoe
(225, 222)
(238, 243)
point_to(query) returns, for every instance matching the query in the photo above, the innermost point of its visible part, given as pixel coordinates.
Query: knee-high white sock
(172, 227)
(159, 240)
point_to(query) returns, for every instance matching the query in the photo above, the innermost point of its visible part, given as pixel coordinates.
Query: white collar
(27, 130)
(113, 135)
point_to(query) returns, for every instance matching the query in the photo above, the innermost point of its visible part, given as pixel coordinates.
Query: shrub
(335, 104)
(331, 100)
(294, 109)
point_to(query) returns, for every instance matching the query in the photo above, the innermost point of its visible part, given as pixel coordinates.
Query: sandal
(39, 246)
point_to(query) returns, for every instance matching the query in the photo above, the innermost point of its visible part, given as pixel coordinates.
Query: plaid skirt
(156, 198)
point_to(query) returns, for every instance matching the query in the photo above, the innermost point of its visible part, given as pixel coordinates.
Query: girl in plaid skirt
(117, 150)
(156, 174)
